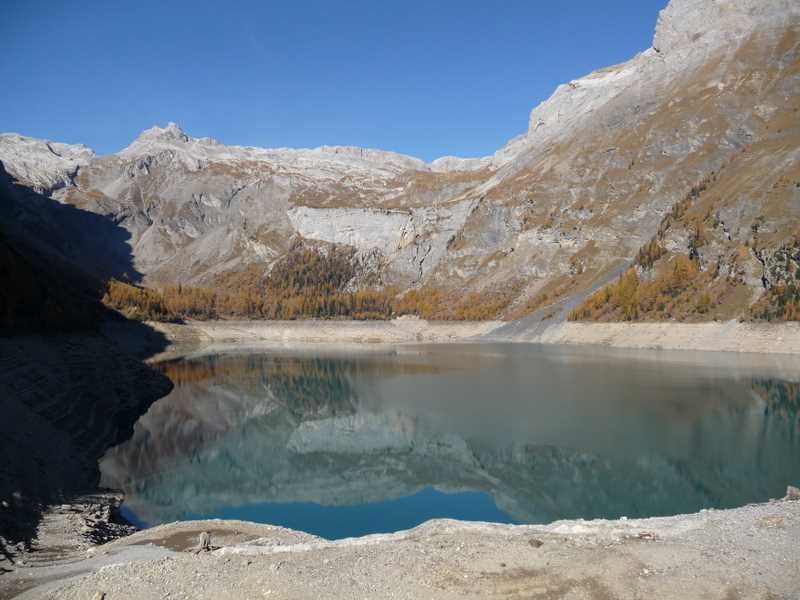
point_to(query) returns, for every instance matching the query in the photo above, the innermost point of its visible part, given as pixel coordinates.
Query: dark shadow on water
(72, 376)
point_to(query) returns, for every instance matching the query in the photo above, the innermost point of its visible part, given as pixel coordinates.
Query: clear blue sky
(424, 78)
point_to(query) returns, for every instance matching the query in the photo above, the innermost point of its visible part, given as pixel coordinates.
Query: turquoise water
(334, 522)
(341, 444)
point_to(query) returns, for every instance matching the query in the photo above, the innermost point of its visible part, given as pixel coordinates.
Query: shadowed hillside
(57, 257)
(72, 380)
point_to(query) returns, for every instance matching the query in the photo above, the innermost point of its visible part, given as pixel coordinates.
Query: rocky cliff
(562, 208)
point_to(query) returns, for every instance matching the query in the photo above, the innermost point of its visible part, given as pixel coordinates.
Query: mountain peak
(684, 23)
(43, 164)
(172, 132)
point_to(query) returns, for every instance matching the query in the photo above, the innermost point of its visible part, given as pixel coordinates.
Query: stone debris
(719, 554)
(203, 543)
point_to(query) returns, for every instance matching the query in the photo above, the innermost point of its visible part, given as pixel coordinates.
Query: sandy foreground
(748, 552)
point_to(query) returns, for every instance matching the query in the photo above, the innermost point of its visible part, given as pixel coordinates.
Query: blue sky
(422, 78)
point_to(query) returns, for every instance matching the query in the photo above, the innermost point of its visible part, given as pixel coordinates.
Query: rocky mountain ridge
(557, 211)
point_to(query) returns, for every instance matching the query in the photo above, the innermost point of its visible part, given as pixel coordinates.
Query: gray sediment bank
(730, 336)
(748, 552)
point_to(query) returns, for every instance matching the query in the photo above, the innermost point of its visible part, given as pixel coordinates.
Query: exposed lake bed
(748, 552)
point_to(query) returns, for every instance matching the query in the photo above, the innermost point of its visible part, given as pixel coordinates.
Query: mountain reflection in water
(496, 433)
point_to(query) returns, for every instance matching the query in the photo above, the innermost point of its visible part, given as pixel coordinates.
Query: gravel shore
(730, 336)
(748, 552)
(396, 331)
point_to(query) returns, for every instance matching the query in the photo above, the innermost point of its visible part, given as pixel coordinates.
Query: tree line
(305, 284)
(678, 291)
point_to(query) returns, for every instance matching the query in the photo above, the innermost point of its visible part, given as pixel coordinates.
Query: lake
(350, 442)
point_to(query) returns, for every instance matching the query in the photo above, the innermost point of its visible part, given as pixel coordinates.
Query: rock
(536, 543)
(792, 493)
(684, 24)
(42, 164)
(204, 543)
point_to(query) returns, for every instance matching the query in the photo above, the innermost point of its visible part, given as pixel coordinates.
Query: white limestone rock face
(411, 241)
(362, 229)
(695, 26)
(447, 164)
(41, 164)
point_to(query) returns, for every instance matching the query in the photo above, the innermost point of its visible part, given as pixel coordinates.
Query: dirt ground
(749, 552)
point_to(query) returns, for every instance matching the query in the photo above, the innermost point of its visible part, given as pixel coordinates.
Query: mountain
(690, 149)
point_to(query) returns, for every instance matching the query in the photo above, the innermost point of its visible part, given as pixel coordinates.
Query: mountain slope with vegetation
(687, 152)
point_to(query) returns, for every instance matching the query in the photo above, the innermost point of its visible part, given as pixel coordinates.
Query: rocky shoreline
(66, 398)
(64, 534)
(403, 330)
(730, 336)
(748, 552)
